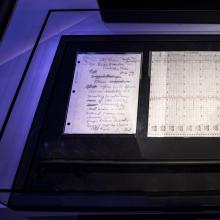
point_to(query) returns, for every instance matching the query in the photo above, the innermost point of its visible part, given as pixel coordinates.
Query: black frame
(177, 166)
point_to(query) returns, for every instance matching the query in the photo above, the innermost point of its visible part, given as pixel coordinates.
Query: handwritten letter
(104, 95)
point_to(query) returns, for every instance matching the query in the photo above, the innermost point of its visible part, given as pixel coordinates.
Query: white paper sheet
(184, 94)
(104, 96)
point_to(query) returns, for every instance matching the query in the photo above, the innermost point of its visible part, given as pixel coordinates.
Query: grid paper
(184, 94)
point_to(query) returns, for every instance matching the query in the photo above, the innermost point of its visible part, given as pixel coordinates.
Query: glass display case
(78, 136)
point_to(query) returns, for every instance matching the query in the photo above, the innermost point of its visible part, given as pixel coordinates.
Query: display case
(62, 158)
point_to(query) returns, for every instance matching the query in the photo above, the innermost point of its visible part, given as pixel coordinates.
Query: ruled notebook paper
(184, 96)
(104, 95)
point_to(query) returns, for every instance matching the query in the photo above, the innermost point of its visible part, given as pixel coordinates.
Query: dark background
(160, 11)
(158, 5)
(6, 9)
